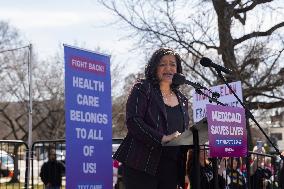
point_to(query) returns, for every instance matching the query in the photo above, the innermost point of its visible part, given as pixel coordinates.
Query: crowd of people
(232, 172)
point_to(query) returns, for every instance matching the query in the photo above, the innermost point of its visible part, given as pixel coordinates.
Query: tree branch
(266, 105)
(268, 73)
(206, 46)
(261, 89)
(250, 7)
(269, 96)
(258, 34)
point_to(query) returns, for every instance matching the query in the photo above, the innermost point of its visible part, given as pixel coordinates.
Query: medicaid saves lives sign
(226, 97)
(88, 119)
(226, 131)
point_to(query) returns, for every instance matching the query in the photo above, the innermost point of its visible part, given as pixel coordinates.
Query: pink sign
(226, 131)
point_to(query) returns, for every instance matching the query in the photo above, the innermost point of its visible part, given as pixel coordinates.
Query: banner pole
(29, 150)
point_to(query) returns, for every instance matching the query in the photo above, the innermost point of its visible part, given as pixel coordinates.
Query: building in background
(276, 130)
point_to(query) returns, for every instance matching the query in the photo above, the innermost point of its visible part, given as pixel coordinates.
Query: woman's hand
(168, 138)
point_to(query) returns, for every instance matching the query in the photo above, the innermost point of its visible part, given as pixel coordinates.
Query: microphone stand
(248, 115)
(211, 99)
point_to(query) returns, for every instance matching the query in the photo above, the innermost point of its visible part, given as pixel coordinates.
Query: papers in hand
(186, 138)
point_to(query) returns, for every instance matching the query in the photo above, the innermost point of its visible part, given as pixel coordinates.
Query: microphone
(206, 62)
(179, 79)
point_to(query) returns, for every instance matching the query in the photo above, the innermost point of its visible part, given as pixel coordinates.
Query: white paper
(186, 138)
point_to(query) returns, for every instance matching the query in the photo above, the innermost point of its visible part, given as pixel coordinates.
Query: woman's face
(167, 68)
(235, 164)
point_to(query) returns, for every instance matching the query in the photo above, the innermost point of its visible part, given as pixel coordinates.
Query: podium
(191, 138)
(186, 138)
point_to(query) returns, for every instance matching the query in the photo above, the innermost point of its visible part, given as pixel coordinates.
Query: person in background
(51, 171)
(233, 176)
(259, 147)
(206, 171)
(260, 175)
(281, 174)
(156, 113)
(268, 164)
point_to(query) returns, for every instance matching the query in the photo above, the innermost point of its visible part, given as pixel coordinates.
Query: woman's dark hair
(230, 162)
(152, 65)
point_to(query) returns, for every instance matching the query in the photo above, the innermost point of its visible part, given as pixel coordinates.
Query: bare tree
(48, 105)
(245, 36)
(49, 82)
(118, 107)
(237, 33)
(13, 60)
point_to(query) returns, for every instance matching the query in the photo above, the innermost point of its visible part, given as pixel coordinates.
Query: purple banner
(88, 119)
(226, 131)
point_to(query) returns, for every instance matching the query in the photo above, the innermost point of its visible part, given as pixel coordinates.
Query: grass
(20, 186)
(11, 185)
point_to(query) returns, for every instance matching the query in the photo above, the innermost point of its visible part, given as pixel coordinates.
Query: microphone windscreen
(206, 62)
(178, 79)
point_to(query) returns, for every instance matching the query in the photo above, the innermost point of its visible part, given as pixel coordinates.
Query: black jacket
(51, 172)
(146, 121)
(206, 177)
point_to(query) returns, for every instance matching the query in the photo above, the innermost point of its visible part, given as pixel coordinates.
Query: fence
(258, 171)
(13, 163)
(40, 151)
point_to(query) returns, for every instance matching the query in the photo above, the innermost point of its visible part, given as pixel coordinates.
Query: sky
(86, 23)
(49, 24)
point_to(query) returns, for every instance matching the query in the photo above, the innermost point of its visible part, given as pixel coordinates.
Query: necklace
(166, 96)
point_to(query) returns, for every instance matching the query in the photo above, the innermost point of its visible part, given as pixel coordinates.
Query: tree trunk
(226, 48)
